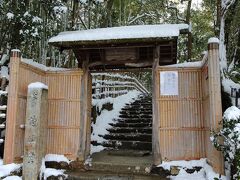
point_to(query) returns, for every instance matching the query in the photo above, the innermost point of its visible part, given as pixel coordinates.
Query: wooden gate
(182, 122)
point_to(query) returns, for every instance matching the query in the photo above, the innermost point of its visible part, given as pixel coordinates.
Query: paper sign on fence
(169, 83)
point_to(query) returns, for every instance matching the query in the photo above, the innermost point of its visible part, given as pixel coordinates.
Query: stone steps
(137, 125)
(133, 112)
(128, 137)
(134, 145)
(107, 165)
(136, 116)
(130, 130)
(134, 120)
(101, 175)
(134, 109)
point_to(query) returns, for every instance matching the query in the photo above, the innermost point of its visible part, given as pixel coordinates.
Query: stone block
(35, 131)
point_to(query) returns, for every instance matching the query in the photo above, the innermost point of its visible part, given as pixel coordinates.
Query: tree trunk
(106, 21)
(188, 21)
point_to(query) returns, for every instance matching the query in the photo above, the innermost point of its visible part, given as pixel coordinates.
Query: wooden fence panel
(181, 123)
(63, 126)
(64, 112)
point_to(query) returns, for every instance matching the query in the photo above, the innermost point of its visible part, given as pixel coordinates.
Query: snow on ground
(5, 170)
(56, 158)
(106, 117)
(206, 173)
(47, 172)
(53, 172)
(13, 178)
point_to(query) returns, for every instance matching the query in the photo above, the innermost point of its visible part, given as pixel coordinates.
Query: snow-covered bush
(227, 139)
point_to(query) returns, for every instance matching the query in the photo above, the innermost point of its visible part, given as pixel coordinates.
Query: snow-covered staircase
(133, 129)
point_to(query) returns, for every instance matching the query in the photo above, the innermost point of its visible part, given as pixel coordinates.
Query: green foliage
(232, 34)
(202, 30)
(227, 139)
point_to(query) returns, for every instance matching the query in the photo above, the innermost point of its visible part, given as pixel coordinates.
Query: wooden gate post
(12, 106)
(216, 157)
(157, 159)
(84, 110)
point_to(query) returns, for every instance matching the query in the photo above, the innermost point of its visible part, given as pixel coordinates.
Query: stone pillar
(215, 157)
(12, 105)
(35, 130)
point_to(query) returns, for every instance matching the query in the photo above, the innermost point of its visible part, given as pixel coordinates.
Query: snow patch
(206, 172)
(41, 66)
(3, 92)
(100, 102)
(197, 64)
(5, 170)
(213, 40)
(10, 15)
(232, 113)
(56, 158)
(4, 72)
(95, 149)
(2, 126)
(228, 84)
(61, 9)
(12, 178)
(53, 172)
(124, 32)
(37, 85)
(3, 107)
(15, 50)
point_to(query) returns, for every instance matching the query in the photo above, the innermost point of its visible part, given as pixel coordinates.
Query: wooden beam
(157, 159)
(84, 120)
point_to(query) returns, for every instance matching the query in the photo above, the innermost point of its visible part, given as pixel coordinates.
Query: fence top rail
(42, 68)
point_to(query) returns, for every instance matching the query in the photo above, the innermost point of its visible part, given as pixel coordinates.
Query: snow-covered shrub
(227, 139)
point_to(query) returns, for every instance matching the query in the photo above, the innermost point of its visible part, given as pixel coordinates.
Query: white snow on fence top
(37, 85)
(124, 32)
(196, 64)
(232, 113)
(213, 40)
(41, 66)
(16, 50)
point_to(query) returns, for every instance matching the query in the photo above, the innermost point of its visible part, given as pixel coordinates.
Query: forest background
(27, 25)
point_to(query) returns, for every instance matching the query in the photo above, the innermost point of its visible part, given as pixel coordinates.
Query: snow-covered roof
(103, 35)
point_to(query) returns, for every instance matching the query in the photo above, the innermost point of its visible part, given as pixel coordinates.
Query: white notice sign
(169, 83)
